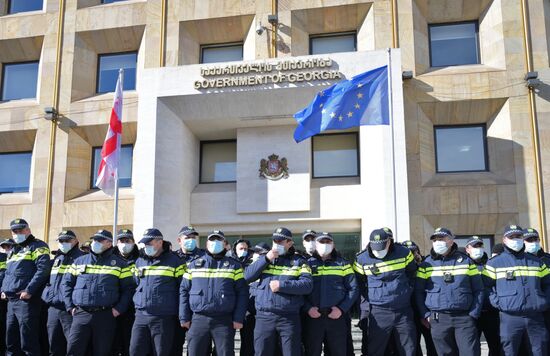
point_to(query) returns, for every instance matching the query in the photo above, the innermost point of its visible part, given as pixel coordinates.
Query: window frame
(19, 152)
(99, 55)
(331, 34)
(478, 48)
(356, 134)
(8, 9)
(206, 142)
(485, 147)
(220, 45)
(92, 174)
(4, 77)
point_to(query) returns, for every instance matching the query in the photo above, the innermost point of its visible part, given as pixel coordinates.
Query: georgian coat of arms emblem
(273, 168)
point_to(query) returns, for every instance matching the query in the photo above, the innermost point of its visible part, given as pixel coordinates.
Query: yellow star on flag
(350, 114)
(332, 115)
(357, 106)
(340, 118)
(360, 95)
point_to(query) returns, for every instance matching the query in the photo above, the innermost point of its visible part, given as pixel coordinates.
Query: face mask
(279, 248)
(514, 244)
(189, 244)
(380, 254)
(150, 250)
(309, 246)
(532, 247)
(440, 247)
(324, 249)
(242, 253)
(65, 247)
(214, 247)
(96, 247)
(125, 248)
(476, 253)
(19, 238)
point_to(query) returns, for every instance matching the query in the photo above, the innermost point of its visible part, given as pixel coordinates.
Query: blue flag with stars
(361, 100)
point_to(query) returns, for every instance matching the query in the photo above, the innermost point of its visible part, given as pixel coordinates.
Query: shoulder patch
(113, 262)
(226, 263)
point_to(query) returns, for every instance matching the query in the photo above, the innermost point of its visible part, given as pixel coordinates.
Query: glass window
(125, 168)
(335, 155)
(334, 43)
(15, 172)
(110, 1)
(222, 53)
(107, 75)
(19, 80)
(454, 44)
(488, 242)
(218, 162)
(461, 148)
(15, 6)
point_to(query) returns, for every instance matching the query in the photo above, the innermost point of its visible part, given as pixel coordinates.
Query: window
(125, 168)
(335, 155)
(108, 66)
(19, 80)
(333, 43)
(15, 6)
(218, 161)
(488, 242)
(454, 44)
(222, 53)
(15, 172)
(461, 148)
(110, 1)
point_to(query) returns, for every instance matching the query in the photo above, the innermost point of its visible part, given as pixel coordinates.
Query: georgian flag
(107, 173)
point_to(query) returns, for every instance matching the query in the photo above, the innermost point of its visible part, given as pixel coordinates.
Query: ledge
(15, 198)
(464, 69)
(98, 195)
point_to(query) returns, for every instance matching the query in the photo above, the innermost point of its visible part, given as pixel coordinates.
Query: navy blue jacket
(213, 286)
(95, 281)
(519, 282)
(158, 281)
(28, 268)
(463, 292)
(295, 282)
(480, 267)
(3, 258)
(387, 282)
(187, 257)
(53, 293)
(334, 283)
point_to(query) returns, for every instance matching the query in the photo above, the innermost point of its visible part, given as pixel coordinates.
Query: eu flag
(361, 100)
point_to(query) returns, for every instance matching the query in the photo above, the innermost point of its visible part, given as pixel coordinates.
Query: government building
(210, 90)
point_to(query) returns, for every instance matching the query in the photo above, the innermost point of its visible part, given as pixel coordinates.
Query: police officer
(386, 271)
(520, 289)
(213, 299)
(27, 272)
(5, 247)
(59, 320)
(158, 274)
(449, 296)
(128, 251)
(96, 291)
(308, 242)
(334, 293)
(488, 322)
(284, 280)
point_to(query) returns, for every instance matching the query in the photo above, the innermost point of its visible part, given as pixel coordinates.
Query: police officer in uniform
(5, 247)
(449, 295)
(520, 290)
(96, 291)
(213, 299)
(158, 274)
(334, 293)
(308, 242)
(386, 272)
(59, 320)
(284, 280)
(27, 272)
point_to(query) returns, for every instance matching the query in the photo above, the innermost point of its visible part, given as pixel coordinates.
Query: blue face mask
(215, 247)
(189, 244)
(242, 253)
(150, 250)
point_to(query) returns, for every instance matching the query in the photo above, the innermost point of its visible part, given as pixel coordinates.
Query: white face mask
(380, 254)
(19, 238)
(477, 252)
(242, 253)
(532, 247)
(514, 244)
(150, 250)
(279, 248)
(214, 247)
(324, 249)
(96, 247)
(65, 247)
(440, 247)
(125, 248)
(309, 246)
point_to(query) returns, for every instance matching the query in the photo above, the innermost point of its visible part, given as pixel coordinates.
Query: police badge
(273, 168)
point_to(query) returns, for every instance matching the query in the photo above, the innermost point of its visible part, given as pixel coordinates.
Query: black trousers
(271, 328)
(152, 335)
(331, 332)
(489, 324)
(93, 330)
(23, 327)
(204, 329)
(59, 329)
(455, 334)
(123, 333)
(385, 324)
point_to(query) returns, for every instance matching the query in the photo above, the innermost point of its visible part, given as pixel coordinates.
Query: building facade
(210, 89)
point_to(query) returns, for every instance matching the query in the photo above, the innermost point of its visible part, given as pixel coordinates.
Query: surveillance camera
(260, 29)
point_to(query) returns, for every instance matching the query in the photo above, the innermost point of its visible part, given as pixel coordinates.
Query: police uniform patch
(513, 227)
(460, 259)
(377, 237)
(57, 263)
(438, 229)
(226, 263)
(113, 262)
(17, 221)
(279, 230)
(199, 263)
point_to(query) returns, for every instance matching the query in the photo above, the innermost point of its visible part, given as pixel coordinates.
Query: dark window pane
(109, 64)
(125, 168)
(217, 54)
(218, 162)
(15, 172)
(19, 81)
(460, 149)
(335, 156)
(454, 44)
(16, 6)
(333, 44)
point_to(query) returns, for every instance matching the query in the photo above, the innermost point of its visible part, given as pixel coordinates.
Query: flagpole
(115, 215)
(390, 101)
